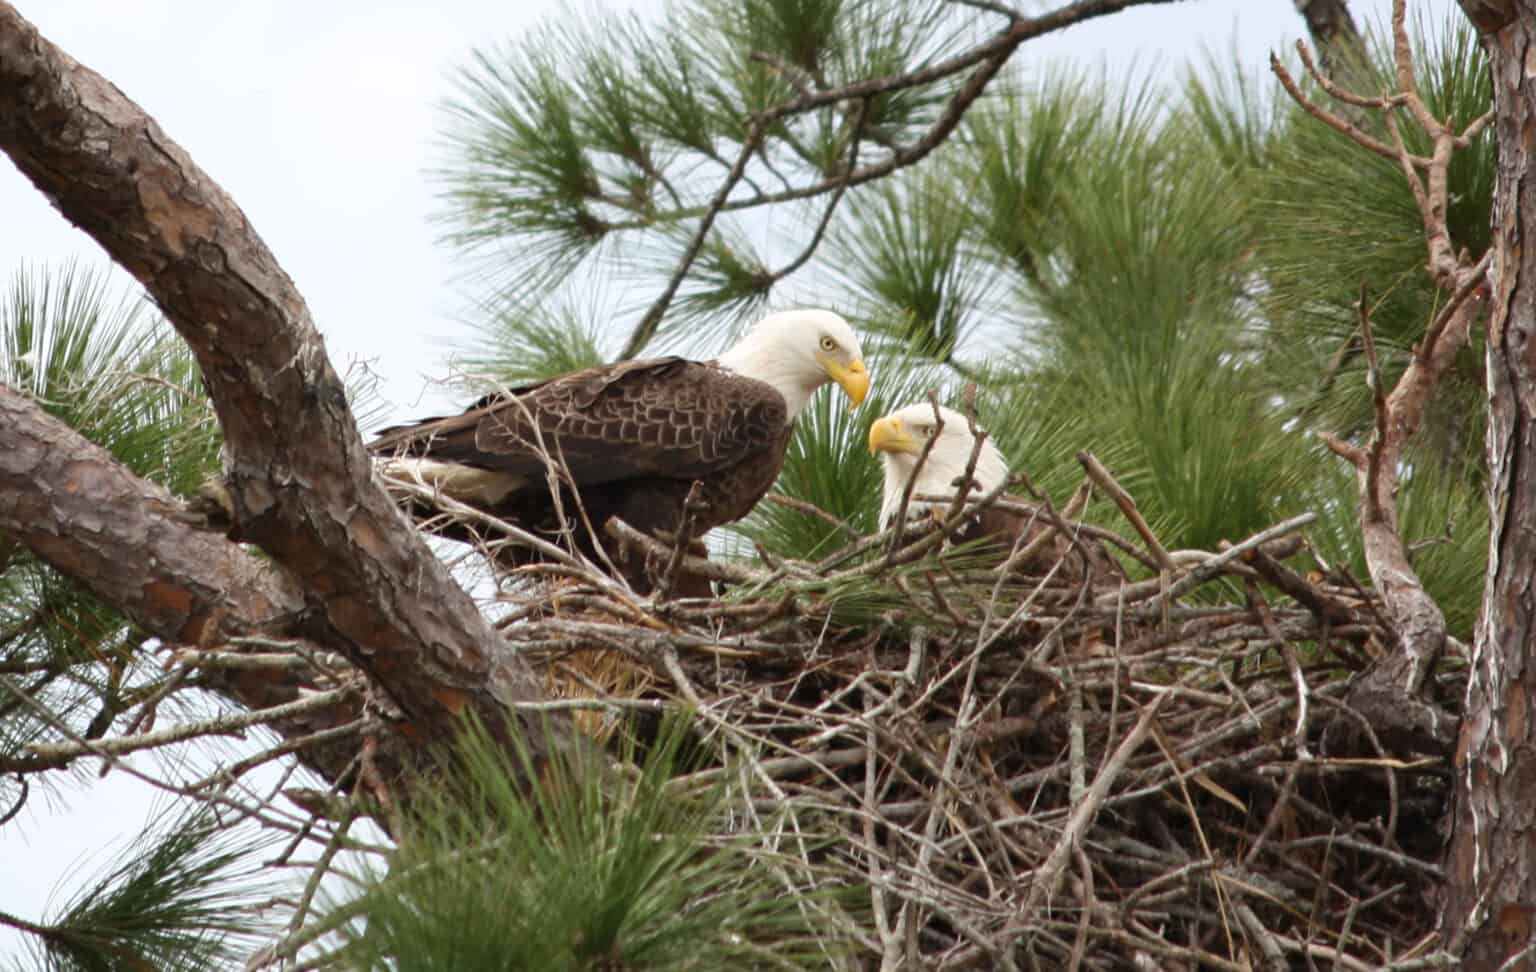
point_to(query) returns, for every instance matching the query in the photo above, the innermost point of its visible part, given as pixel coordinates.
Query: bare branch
(40, 756)
(1127, 505)
(861, 110)
(1341, 125)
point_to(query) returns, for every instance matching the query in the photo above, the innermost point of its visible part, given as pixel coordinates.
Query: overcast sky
(318, 118)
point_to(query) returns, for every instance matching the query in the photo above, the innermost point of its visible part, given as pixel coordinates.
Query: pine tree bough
(128, 542)
(299, 478)
(983, 61)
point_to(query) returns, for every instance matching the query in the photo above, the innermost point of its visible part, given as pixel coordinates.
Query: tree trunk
(1489, 912)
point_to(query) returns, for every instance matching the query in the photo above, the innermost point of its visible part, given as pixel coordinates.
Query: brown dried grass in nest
(1029, 772)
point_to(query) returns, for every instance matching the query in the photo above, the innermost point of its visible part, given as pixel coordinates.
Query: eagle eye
(827, 344)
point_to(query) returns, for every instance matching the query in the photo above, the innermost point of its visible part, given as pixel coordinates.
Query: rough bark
(300, 479)
(1489, 913)
(124, 539)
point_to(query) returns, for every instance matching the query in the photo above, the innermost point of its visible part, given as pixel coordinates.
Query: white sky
(318, 118)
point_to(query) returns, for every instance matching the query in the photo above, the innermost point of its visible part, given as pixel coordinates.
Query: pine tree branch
(45, 932)
(300, 479)
(243, 810)
(646, 329)
(130, 543)
(984, 61)
(1001, 45)
(861, 110)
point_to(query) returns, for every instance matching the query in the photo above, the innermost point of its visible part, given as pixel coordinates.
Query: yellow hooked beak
(890, 434)
(853, 377)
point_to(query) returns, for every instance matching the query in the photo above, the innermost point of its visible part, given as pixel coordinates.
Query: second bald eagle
(899, 439)
(634, 437)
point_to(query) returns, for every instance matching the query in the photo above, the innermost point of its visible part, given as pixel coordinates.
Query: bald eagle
(634, 436)
(899, 439)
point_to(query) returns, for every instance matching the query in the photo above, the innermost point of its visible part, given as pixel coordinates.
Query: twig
(25, 789)
(713, 569)
(861, 111)
(52, 755)
(1127, 506)
(1335, 122)
(1383, 436)
(651, 322)
(1208, 568)
(811, 509)
(693, 504)
(1475, 280)
(1049, 873)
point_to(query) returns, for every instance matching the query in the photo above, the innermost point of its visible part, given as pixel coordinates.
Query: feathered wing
(635, 437)
(658, 418)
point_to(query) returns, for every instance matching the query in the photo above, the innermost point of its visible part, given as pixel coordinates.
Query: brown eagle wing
(663, 417)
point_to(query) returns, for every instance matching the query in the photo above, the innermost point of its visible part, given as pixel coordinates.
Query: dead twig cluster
(1392, 693)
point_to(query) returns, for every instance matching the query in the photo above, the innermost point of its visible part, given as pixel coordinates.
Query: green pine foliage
(1163, 273)
(575, 146)
(112, 370)
(595, 868)
(520, 344)
(903, 251)
(729, 283)
(181, 898)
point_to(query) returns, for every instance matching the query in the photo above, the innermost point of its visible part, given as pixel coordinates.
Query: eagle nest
(1054, 767)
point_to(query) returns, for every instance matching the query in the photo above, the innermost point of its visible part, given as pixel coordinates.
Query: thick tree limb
(124, 538)
(301, 482)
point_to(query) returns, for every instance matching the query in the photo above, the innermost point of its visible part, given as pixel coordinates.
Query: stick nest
(1048, 770)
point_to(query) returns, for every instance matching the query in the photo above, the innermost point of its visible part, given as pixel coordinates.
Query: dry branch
(1391, 693)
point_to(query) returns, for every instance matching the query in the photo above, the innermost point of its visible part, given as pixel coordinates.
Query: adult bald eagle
(899, 439)
(635, 436)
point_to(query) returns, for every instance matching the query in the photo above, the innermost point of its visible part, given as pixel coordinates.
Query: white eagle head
(797, 352)
(899, 438)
